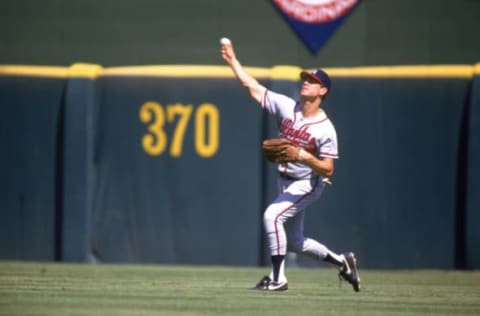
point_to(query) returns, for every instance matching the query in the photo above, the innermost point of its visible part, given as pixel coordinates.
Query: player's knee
(271, 217)
(268, 217)
(295, 244)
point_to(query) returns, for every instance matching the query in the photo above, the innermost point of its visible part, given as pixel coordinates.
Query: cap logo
(315, 21)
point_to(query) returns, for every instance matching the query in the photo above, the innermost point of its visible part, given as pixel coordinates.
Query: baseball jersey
(316, 135)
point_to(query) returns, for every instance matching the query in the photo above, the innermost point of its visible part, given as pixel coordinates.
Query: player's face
(310, 88)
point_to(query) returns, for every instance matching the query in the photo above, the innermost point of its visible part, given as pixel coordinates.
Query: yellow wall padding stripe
(78, 70)
(476, 69)
(284, 72)
(292, 72)
(81, 70)
(437, 71)
(189, 71)
(33, 71)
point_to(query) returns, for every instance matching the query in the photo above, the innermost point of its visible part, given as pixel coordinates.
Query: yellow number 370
(206, 128)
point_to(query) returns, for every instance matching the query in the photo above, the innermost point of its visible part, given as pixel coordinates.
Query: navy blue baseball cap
(319, 76)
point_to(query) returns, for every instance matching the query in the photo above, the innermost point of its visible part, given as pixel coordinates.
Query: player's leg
(285, 206)
(274, 218)
(297, 242)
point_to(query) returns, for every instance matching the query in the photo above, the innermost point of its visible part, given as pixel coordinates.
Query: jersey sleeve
(328, 145)
(275, 103)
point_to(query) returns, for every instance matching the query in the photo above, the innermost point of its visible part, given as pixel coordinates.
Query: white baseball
(225, 41)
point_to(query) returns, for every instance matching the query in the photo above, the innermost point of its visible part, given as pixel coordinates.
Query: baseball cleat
(278, 286)
(349, 271)
(262, 284)
(267, 284)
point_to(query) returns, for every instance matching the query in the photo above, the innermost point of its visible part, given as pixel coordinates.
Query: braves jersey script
(316, 135)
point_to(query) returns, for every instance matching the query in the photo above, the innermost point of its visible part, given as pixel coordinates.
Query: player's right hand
(227, 52)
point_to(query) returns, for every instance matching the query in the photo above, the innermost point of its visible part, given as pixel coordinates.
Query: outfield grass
(66, 289)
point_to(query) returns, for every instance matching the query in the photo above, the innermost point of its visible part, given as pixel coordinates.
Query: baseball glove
(280, 150)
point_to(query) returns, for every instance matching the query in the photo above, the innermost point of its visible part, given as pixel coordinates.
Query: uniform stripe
(285, 210)
(264, 99)
(329, 155)
(297, 104)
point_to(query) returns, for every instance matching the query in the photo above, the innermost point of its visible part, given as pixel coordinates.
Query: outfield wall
(472, 173)
(162, 164)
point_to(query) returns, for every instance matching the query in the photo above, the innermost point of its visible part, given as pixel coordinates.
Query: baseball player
(302, 179)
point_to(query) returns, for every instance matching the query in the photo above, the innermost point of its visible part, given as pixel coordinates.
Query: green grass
(69, 289)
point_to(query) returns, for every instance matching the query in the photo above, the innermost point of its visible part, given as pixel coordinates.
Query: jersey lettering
(287, 129)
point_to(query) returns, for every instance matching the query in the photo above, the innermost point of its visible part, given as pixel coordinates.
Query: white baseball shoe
(267, 284)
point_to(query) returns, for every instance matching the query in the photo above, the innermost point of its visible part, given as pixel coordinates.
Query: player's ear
(323, 91)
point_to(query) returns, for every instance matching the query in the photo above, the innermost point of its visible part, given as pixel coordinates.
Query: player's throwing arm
(255, 89)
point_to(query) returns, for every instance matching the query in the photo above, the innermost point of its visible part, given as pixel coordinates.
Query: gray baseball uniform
(298, 185)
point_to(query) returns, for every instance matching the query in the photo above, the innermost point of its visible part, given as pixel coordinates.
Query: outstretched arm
(255, 89)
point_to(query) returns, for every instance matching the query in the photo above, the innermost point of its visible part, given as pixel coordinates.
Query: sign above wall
(315, 21)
